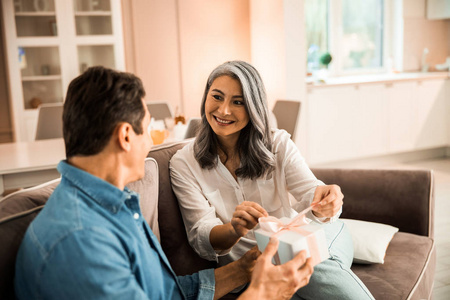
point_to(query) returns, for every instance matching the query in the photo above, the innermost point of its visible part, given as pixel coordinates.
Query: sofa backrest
(16, 212)
(401, 198)
(183, 259)
(147, 188)
(19, 209)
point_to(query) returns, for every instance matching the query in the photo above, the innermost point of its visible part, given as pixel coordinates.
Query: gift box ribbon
(274, 225)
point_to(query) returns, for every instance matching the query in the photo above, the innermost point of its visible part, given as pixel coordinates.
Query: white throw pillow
(370, 240)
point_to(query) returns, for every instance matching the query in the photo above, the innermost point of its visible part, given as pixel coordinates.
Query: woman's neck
(228, 144)
(228, 148)
(229, 155)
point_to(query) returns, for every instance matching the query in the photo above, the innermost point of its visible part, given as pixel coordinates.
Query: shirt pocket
(269, 195)
(215, 200)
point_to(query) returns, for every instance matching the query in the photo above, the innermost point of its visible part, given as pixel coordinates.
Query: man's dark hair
(96, 102)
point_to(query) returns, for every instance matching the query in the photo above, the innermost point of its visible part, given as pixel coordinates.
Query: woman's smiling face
(224, 107)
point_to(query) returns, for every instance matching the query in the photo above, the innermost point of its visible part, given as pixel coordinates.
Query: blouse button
(136, 216)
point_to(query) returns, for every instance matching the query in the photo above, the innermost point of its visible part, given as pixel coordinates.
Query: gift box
(294, 235)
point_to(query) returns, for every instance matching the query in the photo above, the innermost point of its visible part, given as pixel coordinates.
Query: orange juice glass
(158, 135)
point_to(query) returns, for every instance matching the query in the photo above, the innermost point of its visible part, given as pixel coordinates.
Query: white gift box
(295, 239)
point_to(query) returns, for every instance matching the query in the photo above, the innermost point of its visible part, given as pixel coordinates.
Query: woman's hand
(246, 216)
(328, 200)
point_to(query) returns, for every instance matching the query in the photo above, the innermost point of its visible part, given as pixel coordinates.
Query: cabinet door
(372, 121)
(331, 125)
(438, 9)
(41, 76)
(432, 114)
(48, 43)
(97, 41)
(402, 97)
(35, 18)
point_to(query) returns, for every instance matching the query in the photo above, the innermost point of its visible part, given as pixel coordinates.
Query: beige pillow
(370, 240)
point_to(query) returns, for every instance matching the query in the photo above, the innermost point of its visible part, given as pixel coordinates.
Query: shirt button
(136, 216)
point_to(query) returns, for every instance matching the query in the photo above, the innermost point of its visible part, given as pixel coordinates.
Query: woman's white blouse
(208, 198)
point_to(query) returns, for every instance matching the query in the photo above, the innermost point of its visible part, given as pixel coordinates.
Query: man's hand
(327, 200)
(235, 274)
(248, 261)
(245, 217)
(278, 282)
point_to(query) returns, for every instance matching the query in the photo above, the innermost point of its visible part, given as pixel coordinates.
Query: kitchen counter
(377, 78)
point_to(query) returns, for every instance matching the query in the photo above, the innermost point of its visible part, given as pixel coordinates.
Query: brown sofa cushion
(183, 259)
(16, 212)
(147, 188)
(408, 269)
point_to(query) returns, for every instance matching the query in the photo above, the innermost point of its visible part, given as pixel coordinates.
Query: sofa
(401, 198)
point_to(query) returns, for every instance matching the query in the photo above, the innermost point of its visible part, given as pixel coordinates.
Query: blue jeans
(333, 279)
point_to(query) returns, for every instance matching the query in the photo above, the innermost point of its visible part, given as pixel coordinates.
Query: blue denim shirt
(91, 242)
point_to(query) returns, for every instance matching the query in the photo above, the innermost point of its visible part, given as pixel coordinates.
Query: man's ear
(124, 132)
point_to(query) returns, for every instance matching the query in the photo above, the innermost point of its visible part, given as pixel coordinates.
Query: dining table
(26, 164)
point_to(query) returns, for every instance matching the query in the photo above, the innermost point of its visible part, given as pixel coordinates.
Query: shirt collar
(107, 195)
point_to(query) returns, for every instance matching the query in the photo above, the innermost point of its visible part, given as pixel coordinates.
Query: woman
(238, 169)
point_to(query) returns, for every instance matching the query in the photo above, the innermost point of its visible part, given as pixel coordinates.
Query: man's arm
(236, 273)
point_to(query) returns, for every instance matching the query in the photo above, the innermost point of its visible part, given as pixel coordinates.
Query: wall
(151, 47)
(448, 33)
(176, 44)
(269, 46)
(278, 52)
(211, 32)
(5, 119)
(420, 33)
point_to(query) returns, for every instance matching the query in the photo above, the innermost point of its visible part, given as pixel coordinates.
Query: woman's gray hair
(255, 140)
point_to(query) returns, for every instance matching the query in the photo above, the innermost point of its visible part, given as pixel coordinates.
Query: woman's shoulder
(280, 137)
(184, 154)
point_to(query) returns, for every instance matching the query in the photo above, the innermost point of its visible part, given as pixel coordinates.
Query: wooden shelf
(92, 14)
(36, 14)
(41, 78)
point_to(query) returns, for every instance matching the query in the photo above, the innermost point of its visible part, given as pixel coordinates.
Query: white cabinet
(432, 114)
(50, 42)
(346, 122)
(363, 120)
(418, 115)
(402, 115)
(373, 121)
(332, 117)
(438, 9)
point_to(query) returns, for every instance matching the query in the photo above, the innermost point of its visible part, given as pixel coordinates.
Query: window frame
(334, 29)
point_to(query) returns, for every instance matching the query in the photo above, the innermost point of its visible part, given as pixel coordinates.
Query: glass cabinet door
(93, 17)
(96, 55)
(41, 75)
(35, 18)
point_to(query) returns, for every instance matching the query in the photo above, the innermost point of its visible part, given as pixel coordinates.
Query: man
(91, 241)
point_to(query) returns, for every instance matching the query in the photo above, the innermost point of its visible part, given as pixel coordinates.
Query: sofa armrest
(401, 198)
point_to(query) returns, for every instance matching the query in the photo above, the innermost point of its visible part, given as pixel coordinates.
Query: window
(352, 31)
